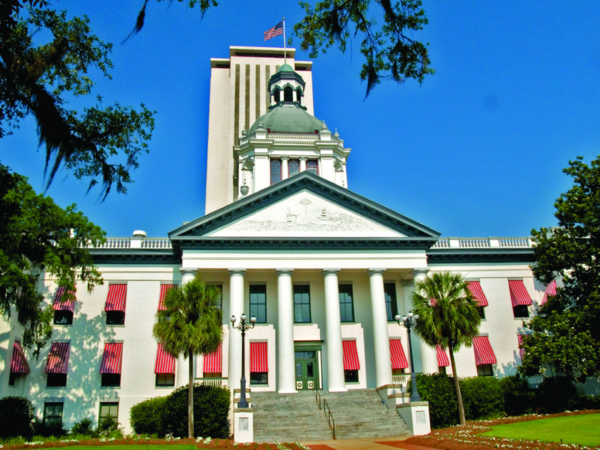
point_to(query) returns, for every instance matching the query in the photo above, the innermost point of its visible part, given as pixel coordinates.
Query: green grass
(583, 429)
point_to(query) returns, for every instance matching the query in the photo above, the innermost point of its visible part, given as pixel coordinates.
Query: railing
(318, 398)
(156, 243)
(287, 137)
(115, 243)
(515, 242)
(329, 416)
(401, 379)
(216, 382)
(485, 242)
(128, 242)
(474, 242)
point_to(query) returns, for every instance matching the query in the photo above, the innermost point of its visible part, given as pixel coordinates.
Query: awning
(163, 293)
(521, 350)
(59, 305)
(19, 362)
(350, 356)
(58, 358)
(165, 362)
(483, 351)
(399, 360)
(117, 293)
(258, 357)
(442, 357)
(213, 361)
(475, 288)
(518, 293)
(550, 291)
(112, 359)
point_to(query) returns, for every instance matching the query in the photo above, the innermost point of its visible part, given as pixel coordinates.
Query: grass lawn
(583, 429)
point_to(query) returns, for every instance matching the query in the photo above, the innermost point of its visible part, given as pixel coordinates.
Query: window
(481, 311)
(12, 378)
(259, 378)
(111, 380)
(275, 171)
(109, 410)
(312, 166)
(346, 304)
(288, 95)
(398, 371)
(276, 94)
(391, 305)
(442, 370)
(521, 311)
(57, 380)
(294, 167)
(485, 370)
(165, 379)
(63, 317)
(53, 415)
(258, 302)
(302, 304)
(351, 376)
(115, 318)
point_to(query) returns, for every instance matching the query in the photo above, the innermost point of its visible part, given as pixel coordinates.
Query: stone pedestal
(416, 416)
(243, 425)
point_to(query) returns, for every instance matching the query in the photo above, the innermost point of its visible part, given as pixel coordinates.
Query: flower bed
(468, 437)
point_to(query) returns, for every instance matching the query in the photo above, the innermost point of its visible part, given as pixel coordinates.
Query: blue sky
(476, 150)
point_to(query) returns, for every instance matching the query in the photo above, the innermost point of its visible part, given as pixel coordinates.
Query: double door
(307, 370)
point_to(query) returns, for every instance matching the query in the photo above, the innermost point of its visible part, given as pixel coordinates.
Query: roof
(288, 118)
(286, 68)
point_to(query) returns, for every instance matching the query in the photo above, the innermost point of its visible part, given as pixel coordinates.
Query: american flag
(277, 30)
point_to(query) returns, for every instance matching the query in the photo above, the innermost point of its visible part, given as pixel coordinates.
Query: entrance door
(306, 370)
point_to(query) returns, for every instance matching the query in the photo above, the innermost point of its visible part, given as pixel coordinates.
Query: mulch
(404, 445)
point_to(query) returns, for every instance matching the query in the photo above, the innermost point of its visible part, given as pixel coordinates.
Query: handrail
(318, 398)
(329, 417)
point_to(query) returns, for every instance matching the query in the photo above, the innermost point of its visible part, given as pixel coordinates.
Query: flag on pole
(277, 30)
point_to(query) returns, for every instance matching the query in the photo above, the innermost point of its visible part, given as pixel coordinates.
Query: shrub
(555, 394)
(584, 402)
(46, 431)
(109, 427)
(146, 417)
(439, 391)
(482, 397)
(16, 416)
(518, 397)
(84, 428)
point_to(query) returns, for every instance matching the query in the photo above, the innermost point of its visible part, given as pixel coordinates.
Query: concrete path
(380, 443)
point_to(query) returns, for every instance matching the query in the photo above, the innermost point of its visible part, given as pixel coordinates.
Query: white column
(236, 308)
(303, 163)
(335, 351)
(428, 355)
(381, 338)
(286, 363)
(182, 369)
(285, 172)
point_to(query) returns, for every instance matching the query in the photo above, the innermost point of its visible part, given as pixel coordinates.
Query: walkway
(364, 444)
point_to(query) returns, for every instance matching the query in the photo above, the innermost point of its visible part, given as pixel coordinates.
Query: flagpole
(284, 47)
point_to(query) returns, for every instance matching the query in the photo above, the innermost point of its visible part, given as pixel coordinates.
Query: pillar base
(287, 392)
(416, 416)
(243, 425)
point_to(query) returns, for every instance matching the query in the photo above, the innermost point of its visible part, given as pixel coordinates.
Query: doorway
(307, 370)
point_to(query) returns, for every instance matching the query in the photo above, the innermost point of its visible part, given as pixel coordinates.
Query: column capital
(188, 270)
(420, 271)
(303, 158)
(236, 270)
(376, 270)
(283, 270)
(332, 270)
(285, 158)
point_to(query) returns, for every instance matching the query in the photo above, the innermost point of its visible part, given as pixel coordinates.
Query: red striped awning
(518, 293)
(19, 362)
(163, 293)
(117, 294)
(165, 362)
(213, 361)
(432, 301)
(350, 356)
(442, 357)
(483, 351)
(113, 358)
(521, 350)
(58, 305)
(399, 360)
(475, 288)
(258, 357)
(550, 291)
(58, 358)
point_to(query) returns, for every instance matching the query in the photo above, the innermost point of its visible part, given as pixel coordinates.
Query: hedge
(16, 417)
(164, 415)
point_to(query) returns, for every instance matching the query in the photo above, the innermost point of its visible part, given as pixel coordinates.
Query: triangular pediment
(304, 206)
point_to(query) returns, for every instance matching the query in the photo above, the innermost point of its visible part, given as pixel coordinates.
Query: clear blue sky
(476, 150)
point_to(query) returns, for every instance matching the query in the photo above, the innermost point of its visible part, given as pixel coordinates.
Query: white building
(323, 269)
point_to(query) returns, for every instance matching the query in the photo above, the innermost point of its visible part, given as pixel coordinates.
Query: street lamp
(409, 322)
(243, 403)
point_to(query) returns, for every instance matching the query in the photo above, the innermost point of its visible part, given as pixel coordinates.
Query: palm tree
(190, 325)
(448, 317)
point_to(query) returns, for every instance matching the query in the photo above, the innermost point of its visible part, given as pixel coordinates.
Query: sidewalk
(363, 444)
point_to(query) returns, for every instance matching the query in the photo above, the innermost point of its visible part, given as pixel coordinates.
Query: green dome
(288, 118)
(286, 68)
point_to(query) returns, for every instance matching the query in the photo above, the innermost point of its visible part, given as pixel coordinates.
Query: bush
(518, 397)
(555, 395)
(439, 391)
(162, 415)
(482, 397)
(39, 429)
(146, 417)
(584, 402)
(16, 416)
(84, 428)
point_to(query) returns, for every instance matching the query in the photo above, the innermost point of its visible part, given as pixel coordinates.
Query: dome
(286, 68)
(288, 118)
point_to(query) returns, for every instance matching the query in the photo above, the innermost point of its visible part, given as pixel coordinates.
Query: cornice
(109, 257)
(479, 256)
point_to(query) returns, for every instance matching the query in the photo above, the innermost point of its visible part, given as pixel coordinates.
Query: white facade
(304, 237)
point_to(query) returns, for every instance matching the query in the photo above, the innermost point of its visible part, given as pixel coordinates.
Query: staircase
(297, 417)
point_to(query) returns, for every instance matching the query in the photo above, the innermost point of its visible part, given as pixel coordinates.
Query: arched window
(275, 171)
(312, 166)
(299, 95)
(288, 95)
(294, 167)
(276, 94)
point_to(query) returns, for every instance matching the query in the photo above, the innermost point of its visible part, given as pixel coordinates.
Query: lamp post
(243, 403)
(409, 322)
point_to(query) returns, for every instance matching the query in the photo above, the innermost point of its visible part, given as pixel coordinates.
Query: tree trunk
(191, 396)
(461, 409)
